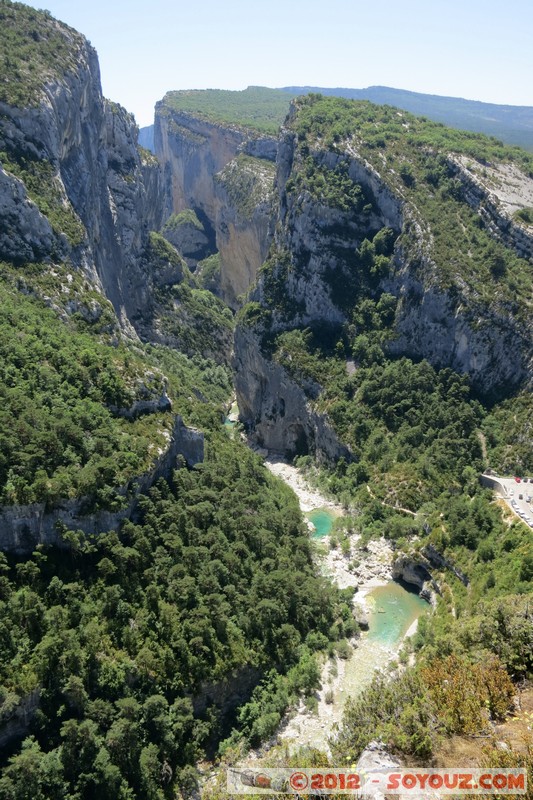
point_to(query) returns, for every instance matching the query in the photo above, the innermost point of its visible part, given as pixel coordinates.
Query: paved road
(516, 495)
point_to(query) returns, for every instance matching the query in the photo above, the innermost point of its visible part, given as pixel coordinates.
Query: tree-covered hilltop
(413, 156)
(256, 107)
(511, 124)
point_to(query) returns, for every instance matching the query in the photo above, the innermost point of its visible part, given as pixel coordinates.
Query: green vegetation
(216, 577)
(450, 695)
(190, 318)
(186, 217)
(332, 187)
(418, 435)
(248, 182)
(147, 157)
(512, 124)
(35, 48)
(411, 154)
(524, 215)
(44, 188)
(508, 429)
(412, 429)
(59, 438)
(256, 107)
(207, 273)
(197, 321)
(159, 250)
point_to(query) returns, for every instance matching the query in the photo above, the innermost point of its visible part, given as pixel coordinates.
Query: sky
(476, 49)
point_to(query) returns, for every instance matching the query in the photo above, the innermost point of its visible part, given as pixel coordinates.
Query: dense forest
(124, 631)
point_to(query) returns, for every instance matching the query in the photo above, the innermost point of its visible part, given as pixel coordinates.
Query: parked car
(517, 479)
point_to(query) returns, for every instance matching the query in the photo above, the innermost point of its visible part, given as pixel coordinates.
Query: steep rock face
(276, 408)
(301, 289)
(15, 723)
(416, 572)
(244, 204)
(25, 234)
(188, 236)
(202, 163)
(146, 138)
(315, 275)
(134, 192)
(488, 345)
(101, 196)
(495, 192)
(192, 151)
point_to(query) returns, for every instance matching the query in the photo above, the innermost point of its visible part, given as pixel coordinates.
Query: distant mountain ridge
(512, 124)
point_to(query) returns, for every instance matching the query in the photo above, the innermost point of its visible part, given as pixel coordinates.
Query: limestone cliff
(276, 408)
(79, 203)
(224, 173)
(74, 185)
(348, 227)
(244, 200)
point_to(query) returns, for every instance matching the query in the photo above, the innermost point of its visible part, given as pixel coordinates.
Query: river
(392, 613)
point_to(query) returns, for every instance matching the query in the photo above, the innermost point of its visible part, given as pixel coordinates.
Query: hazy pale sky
(477, 49)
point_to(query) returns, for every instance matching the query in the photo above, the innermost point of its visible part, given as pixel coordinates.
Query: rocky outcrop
(376, 758)
(144, 406)
(415, 571)
(439, 561)
(510, 190)
(488, 345)
(244, 204)
(15, 720)
(25, 233)
(276, 410)
(22, 528)
(187, 234)
(360, 615)
(229, 693)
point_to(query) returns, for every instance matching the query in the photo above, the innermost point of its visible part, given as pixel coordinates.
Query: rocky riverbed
(364, 568)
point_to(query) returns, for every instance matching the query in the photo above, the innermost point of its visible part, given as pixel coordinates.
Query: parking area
(518, 494)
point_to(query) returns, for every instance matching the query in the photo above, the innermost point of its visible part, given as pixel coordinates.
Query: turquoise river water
(322, 519)
(393, 611)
